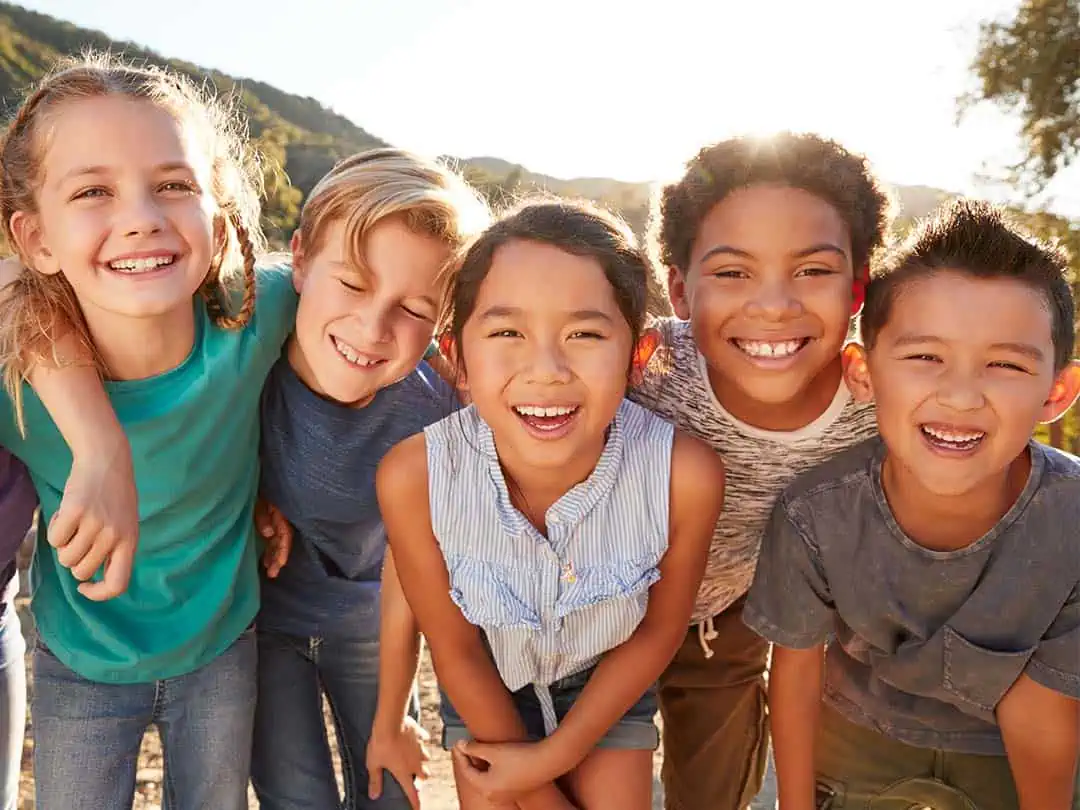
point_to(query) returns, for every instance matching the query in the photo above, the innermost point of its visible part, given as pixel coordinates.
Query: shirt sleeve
(275, 306)
(789, 601)
(1056, 661)
(17, 504)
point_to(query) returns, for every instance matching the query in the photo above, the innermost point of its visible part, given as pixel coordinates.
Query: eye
(350, 287)
(180, 186)
(1010, 366)
(816, 271)
(413, 313)
(90, 193)
(729, 272)
(509, 333)
(585, 333)
(924, 358)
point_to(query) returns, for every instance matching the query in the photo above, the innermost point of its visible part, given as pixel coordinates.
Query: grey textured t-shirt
(318, 467)
(926, 642)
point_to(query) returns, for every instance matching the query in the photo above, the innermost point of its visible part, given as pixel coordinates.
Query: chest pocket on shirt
(486, 595)
(623, 580)
(979, 676)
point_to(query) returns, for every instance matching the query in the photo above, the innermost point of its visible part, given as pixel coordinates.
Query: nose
(142, 215)
(374, 325)
(961, 391)
(773, 300)
(548, 365)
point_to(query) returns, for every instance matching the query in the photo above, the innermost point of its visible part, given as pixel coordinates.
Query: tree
(1031, 65)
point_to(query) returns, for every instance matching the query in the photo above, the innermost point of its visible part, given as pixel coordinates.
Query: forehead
(388, 253)
(116, 132)
(764, 219)
(544, 278)
(959, 308)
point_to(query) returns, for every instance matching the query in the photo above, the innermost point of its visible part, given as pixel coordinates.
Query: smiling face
(124, 209)
(546, 353)
(361, 329)
(769, 294)
(959, 389)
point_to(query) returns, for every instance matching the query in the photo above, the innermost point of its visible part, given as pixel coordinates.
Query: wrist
(554, 757)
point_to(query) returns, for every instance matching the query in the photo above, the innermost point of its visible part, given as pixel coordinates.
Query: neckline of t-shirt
(177, 372)
(809, 431)
(1035, 476)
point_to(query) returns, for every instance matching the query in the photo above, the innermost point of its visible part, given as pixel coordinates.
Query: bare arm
(795, 683)
(464, 667)
(626, 672)
(1041, 730)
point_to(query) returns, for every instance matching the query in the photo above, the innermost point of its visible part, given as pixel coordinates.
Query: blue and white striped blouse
(551, 606)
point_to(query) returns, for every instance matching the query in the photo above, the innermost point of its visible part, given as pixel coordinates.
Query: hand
(277, 533)
(403, 752)
(97, 523)
(503, 772)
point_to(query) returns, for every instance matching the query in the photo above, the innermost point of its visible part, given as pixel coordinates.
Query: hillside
(300, 137)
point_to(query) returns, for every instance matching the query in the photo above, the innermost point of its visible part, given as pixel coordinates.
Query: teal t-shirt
(194, 434)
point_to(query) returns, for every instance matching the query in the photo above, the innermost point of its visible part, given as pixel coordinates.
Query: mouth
(766, 350)
(547, 419)
(952, 440)
(141, 265)
(354, 357)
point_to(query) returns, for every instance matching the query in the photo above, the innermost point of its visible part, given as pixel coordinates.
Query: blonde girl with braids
(131, 198)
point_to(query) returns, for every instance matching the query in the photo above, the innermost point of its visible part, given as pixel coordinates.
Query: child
(943, 555)
(550, 536)
(130, 197)
(376, 240)
(767, 244)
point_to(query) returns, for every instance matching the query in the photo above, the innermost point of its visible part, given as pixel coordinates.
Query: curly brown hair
(805, 161)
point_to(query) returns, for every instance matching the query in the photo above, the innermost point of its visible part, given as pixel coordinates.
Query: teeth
(953, 437)
(536, 410)
(140, 265)
(347, 351)
(762, 348)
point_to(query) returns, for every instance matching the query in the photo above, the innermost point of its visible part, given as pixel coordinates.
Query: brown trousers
(715, 734)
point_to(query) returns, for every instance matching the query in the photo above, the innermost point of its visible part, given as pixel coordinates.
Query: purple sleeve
(17, 503)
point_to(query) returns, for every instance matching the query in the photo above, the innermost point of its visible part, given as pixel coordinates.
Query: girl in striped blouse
(550, 537)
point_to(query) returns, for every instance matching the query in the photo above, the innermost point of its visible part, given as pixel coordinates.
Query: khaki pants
(715, 734)
(865, 770)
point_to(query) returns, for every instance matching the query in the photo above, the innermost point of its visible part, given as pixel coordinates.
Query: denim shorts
(636, 730)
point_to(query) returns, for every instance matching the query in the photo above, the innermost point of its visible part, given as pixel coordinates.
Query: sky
(617, 88)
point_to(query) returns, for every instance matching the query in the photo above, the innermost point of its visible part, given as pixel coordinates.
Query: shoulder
(850, 467)
(1058, 499)
(401, 478)
(274, 282)
(697, 474)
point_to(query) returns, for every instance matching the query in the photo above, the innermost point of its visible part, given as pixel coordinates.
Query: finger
(64, 524)
(474, 750)
(79, 545)
(264, 524)
(412, 794)
(95, 556)
(468, 770)
(282, 528)
(424, 772)
(374, 783)
(117, 575)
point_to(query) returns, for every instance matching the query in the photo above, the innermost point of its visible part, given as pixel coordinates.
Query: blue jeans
(291, 767)
(87, 734)
(12, 703)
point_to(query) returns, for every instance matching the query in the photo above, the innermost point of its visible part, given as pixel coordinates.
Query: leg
(715, 734)
(86, 737)
(206, 721)
(612, 779)
(291, 766)
(986, 781)
(349, 669)
(12, 704)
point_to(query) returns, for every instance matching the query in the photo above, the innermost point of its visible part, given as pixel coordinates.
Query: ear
(297, 248)
(857, 373)
(677, 293)
(645, 348)
(858, 289)
(1063, 393)
(31, 245)
(449, 350)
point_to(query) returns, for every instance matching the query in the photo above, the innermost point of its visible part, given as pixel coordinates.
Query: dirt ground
(437, 793)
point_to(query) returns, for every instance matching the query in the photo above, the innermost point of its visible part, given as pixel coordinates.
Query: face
(769, 294)
(357, 332)
(959, 389)
(546, 352)
(125, 211)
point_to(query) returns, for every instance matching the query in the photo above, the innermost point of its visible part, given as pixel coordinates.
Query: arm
(626, 672)
(97, 522)
(396, 742)
(1041, 730)
(464, 668)
(795, 682)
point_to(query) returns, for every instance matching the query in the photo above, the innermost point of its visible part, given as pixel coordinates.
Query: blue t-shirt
(319, 460)
(194, 434)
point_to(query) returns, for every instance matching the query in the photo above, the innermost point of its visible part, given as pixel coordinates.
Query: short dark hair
(980, 240)
(576, 227)
(809, 162)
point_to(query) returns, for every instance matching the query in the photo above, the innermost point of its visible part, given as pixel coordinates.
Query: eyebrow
(1025, 349)
(576, 315)
(83, 171)
(820, 247)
